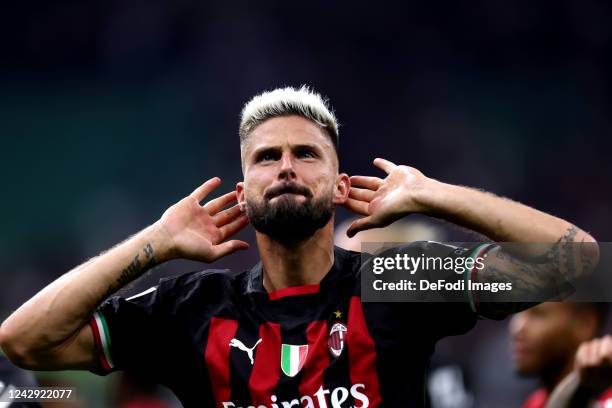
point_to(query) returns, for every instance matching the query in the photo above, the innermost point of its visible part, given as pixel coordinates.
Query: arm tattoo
(564, 252)
(548, 277)
(133, 270)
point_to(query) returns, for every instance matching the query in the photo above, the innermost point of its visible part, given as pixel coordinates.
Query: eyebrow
(274, 149)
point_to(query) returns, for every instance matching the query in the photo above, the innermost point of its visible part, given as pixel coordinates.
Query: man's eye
(306, 154)
(266, 157)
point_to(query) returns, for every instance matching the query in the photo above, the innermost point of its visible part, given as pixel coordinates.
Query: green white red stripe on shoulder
(478, 252)
(102, 340)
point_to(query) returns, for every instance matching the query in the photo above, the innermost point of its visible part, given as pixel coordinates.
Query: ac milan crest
(335, 342)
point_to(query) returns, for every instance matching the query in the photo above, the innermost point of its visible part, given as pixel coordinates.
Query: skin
(292, 150)
(554, 339)
(593, 363)
(545, 339)
(50, 331)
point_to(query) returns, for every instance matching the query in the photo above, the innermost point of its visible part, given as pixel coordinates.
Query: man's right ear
(240, 196)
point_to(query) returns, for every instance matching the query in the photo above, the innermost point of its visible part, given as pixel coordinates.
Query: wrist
(161, 241)
(428, 197)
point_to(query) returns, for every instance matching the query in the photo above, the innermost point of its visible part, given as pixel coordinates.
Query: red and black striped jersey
(220, 339)
(539, 398)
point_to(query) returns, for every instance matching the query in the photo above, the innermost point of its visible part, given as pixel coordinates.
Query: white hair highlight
(284, 102)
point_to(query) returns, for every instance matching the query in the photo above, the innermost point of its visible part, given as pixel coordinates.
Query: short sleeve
(459, 315)
(131, 334)
(454, 312)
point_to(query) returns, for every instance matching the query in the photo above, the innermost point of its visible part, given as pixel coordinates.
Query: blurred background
(112, 111)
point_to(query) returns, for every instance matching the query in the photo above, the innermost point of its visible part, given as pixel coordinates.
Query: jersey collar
(344, 264)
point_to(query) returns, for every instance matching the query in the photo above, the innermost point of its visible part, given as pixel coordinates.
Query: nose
(517, 324)
(286, 170)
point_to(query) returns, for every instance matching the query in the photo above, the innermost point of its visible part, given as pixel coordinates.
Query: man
(556, 341)
(292, 331)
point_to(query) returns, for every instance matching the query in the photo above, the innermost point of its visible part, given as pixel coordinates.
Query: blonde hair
(287, 101)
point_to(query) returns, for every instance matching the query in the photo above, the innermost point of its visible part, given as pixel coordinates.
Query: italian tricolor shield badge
(293, 358)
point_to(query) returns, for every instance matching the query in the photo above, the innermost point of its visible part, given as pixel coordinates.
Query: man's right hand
(200, 232)
(50, 331)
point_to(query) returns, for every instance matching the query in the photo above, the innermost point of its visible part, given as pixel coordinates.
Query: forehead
(552, 307)
(287, 130)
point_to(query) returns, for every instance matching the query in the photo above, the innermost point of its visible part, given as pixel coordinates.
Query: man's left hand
(594, 363)
(383, 201)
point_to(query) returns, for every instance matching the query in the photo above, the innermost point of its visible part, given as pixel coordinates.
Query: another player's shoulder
(536, 399)
(605, 397)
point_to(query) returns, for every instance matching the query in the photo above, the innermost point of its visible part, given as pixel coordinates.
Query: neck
(551, 378)
(294, 264)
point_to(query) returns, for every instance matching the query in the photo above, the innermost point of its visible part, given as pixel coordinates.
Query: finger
(384, 165)
(360, 225)
(228, 247)
(226, 216)
(599, 353)
(607, 350)
(372, 183)
(592, 353)
(201, 192)
(233, 227)
(360, 207)
(214, 206)
(580, 360)
(601, 350)
(361, 194)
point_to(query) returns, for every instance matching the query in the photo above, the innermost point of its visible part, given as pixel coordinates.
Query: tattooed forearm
(130, 272)
(549, 275)
(587, 257)
(565, 253)
(135, 268)
(151, 261)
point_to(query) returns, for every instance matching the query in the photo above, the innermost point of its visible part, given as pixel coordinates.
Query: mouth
(519, 350)
(287, 194)
(291, 189)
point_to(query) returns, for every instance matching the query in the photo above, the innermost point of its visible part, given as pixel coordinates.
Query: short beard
(288, 221)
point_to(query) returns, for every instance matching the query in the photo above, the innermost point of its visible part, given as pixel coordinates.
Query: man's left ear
(341, 188)
(240, 195)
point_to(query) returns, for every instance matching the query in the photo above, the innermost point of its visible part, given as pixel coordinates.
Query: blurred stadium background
(112, 111)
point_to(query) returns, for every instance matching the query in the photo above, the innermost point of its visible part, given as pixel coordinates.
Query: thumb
(228, 247)
(360, 225)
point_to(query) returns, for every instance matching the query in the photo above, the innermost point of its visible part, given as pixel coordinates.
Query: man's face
(544, 337)
(291, 181)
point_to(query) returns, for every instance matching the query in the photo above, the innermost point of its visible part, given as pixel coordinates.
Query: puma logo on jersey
(240, 345)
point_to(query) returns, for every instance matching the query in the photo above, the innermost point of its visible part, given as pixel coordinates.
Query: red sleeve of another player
(605, 397)
(536, 400)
